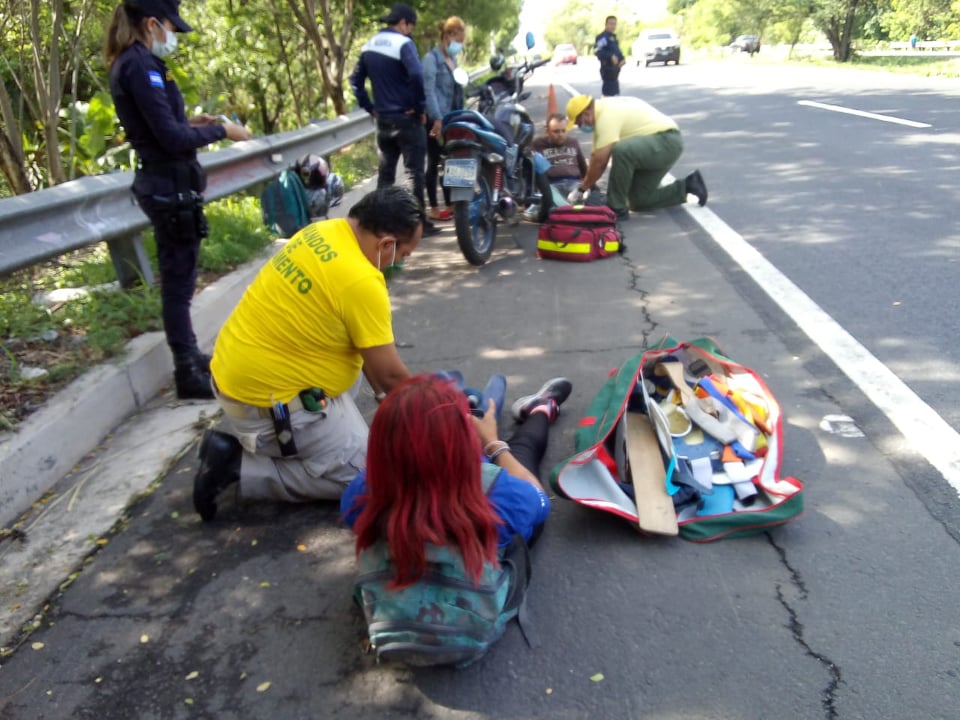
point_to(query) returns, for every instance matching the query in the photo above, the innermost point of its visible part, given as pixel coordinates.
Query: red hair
(423, 480)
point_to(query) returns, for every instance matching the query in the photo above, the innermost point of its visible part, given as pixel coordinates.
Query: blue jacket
(391, 62)
(606, 46)
(442, 92)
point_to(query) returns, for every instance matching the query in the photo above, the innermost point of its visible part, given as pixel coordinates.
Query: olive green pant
(638, 165)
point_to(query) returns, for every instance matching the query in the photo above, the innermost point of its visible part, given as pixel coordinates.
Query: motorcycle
(489, 167)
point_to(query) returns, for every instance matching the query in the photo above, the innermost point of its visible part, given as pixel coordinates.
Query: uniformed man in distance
(391, 62)
(286, 365)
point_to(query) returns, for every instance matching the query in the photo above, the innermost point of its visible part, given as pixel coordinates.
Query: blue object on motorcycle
(540, 163)
(530, 41)
(465, 115)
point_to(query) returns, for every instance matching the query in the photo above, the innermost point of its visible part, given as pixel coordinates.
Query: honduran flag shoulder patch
(156, 79)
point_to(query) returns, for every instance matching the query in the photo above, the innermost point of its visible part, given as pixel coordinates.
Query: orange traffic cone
(551, 101)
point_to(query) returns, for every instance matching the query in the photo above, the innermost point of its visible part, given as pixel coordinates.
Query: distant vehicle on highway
(565, 54)
(746, 43)
(659, 45)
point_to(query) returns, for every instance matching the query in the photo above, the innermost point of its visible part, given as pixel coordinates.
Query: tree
(839, 21)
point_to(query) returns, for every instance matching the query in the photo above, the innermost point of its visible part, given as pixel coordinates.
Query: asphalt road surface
(849, 612)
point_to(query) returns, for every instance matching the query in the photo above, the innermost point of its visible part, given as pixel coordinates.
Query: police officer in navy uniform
(169, 180)
(607, 50)
(391, 62)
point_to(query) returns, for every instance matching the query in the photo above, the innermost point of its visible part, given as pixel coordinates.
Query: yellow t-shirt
(303, 319)
(621, 117)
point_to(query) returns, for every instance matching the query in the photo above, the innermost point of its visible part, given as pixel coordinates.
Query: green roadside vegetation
(925, 64)
(65, 337)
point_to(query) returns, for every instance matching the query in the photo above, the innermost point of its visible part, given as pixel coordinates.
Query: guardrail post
(130, 261)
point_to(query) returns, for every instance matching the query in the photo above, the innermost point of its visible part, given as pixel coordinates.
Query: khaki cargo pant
(331, 451)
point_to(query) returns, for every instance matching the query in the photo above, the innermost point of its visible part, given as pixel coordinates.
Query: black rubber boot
(695, 185)
(192, 378)
(203, 359)
(220, 456)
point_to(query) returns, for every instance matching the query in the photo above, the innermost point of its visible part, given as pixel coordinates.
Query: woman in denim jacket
(443, 95)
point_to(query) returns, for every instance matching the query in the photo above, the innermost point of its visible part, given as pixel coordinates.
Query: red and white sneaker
(552, 395)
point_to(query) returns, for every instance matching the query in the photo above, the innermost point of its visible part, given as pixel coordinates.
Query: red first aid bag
(579, 233)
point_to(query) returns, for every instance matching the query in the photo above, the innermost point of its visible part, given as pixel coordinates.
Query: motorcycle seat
(491, 136)
(468, 116)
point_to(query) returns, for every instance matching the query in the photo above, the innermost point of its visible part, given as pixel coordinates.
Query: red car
(565, 54)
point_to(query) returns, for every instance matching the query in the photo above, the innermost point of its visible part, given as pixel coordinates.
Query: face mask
(586, 128)
(454, 48)
(165, 47)
(393, 269)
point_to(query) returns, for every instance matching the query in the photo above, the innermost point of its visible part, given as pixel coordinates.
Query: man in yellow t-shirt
(643, 144)
(286, 365)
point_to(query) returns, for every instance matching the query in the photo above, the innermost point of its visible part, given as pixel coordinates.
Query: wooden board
(655, 512)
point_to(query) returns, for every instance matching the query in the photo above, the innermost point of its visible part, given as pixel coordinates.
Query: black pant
(433, 173)
(402, 135)
(610, 74)
(177, 257)
(529, 441)
(528, 445)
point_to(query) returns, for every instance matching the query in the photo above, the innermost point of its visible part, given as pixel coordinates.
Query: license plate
(460, 172)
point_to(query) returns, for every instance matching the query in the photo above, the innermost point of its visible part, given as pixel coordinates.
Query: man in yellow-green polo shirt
(642, 143)
(286, 365)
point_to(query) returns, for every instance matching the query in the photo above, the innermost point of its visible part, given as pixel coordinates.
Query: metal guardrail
(42, 225)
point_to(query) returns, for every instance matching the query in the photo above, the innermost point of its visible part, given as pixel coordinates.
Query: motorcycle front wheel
(476, 224)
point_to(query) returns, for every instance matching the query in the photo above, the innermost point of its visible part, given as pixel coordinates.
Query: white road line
(922, 427)
(570, 89)
(863, 113)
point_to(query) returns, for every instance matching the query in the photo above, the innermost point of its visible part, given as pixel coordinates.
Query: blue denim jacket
(443, 94)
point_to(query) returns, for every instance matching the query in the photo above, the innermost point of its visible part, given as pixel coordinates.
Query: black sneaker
(429, 229)
(220, 455)
(696, 186)
(621, 213)
(553, 393)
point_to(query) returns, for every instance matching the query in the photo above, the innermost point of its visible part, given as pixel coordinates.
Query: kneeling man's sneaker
(220, 456)
(553, 393)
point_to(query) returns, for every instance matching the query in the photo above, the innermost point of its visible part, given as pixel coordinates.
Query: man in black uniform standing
(607, 50)
(391, 61)
(169, 180)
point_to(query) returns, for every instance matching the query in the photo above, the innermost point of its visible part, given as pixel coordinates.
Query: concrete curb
(56, 437)
(99, 444)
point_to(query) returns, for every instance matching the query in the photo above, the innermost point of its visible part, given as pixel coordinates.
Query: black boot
(696, 186)
(220, 456)
(192, 378)
(203, 360)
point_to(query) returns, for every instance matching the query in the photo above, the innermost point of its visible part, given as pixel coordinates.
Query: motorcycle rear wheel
(476, 225)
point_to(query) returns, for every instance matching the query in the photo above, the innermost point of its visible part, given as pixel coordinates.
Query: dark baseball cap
(400, 11)
(163, 9)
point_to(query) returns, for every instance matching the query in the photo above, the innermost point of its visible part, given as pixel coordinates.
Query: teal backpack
(444, 618)
(283, 204)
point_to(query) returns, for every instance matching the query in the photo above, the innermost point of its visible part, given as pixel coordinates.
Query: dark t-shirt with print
(566, 161)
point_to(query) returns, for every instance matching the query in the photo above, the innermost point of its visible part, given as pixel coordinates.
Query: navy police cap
(163, 9)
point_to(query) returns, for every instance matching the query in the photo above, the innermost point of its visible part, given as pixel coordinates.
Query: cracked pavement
(846, 613)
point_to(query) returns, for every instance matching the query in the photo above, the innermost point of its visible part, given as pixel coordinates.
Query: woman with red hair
(425, 486)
